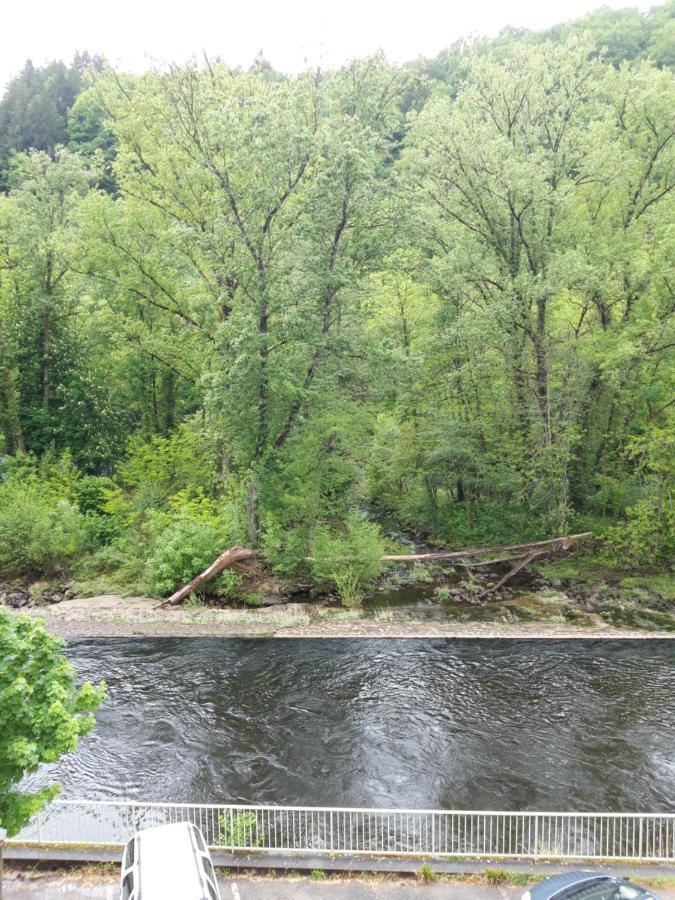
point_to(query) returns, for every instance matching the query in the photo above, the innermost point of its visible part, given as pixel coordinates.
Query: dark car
(586, 886)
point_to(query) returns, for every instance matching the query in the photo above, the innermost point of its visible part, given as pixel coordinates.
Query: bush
(348, 559)
(39, 533)
(240, 830)
(186, 540)
(646, 538)
(91, 493)
(180, 548)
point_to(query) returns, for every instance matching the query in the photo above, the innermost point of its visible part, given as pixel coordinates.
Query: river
(465, 724)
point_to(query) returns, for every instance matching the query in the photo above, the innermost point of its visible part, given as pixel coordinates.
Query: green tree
(246, 231)
(42, 714)
(53, 349)
(34, 109)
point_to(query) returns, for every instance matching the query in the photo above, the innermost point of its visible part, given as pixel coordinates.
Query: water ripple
(585, 725)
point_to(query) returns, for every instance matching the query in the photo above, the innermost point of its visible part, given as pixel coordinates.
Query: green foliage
(39, 532)
(427, 873)
(240, 830)
(181, 546)
(42, 713)
(496, 876)
(647, 537)
(34, 109)
(348, 558)
(235, 305)
(163, 466)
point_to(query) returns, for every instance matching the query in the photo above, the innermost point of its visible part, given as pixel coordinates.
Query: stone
(15, 598)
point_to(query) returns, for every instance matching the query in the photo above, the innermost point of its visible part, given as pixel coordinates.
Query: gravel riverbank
(112, 616)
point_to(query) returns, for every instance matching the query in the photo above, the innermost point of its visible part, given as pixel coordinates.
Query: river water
(463, 724)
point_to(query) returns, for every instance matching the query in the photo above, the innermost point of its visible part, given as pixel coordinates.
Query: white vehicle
(168, 862)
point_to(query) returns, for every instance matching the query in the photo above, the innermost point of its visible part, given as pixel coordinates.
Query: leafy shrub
(100, 530)
(39, 533)
(159, 468)
(284, 547)
(349, 558)
(185, 540)
(180, 548)
(91, 493)
(42, 715)
(646, 538)
(240, 830)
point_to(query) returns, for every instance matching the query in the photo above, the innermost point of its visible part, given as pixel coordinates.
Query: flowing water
(472, 724)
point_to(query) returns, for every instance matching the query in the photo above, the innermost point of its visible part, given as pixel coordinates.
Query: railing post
(536, 835)
(640, 838)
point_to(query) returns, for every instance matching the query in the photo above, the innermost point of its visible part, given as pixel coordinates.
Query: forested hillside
(237, 307)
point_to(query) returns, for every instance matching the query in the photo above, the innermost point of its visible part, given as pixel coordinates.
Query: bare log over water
(559, 543)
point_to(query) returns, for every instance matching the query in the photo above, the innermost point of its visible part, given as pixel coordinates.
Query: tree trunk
(46, 327)
(542, 368)
(233, 555)
(251, 516)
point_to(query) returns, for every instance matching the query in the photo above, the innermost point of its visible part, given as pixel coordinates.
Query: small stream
(469, 724)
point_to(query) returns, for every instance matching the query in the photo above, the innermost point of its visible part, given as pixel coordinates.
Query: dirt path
(113, 616)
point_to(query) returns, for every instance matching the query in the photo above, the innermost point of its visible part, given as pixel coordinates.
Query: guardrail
(392, 832)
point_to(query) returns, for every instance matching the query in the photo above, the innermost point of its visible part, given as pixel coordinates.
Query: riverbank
(110, 615)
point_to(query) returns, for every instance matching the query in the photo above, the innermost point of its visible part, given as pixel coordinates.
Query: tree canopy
(236, 306)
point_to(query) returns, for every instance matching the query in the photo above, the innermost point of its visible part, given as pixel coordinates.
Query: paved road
(281, 889)
(50, 887)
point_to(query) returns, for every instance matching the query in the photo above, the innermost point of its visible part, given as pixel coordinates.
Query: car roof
(169, 863)
(550, 887)
(584, 882)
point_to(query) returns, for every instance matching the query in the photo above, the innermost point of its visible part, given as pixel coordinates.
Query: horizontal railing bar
(364, 809)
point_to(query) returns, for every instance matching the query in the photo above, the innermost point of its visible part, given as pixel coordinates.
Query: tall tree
(256, 208)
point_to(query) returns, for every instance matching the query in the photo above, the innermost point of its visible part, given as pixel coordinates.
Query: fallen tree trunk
(514, 571)
(559, 543)
(236, 555)
(231, 556)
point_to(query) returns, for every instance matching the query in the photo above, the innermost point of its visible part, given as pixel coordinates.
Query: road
(48, 886)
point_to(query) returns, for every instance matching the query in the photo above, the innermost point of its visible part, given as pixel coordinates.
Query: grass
(659, 881)
(427, 874)
(586, 566)
(663, 585)
(98, 585)
(324, 613)
(384, 615)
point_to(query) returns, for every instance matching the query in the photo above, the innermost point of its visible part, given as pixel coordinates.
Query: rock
(15, 598)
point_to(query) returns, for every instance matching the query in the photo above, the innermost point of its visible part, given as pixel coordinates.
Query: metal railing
(395, 832)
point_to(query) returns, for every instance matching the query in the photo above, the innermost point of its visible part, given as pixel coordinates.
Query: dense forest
(238, 307)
